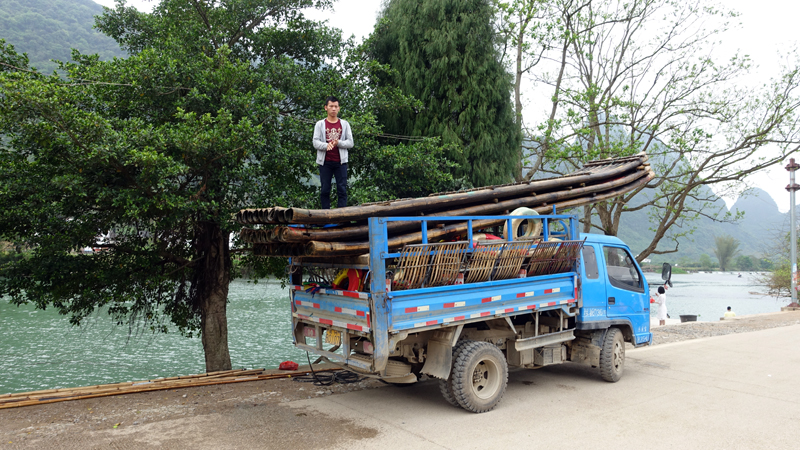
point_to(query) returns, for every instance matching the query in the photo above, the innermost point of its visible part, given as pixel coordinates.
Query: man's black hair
(729, 308)
(331, 99)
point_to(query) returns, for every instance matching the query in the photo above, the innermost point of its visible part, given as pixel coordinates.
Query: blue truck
(466, 308)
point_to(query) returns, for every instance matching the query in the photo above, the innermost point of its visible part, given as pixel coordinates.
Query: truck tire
(612, 356)
(446, 386)
(480, 376)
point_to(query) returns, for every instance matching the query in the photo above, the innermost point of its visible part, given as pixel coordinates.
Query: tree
(705, 262)
(726, 248)
(624, 80)
(746, 262)
(524, 35)
(149, 157)
(442, 53)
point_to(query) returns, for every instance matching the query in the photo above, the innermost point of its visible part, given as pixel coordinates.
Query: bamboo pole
(289, 234)
(601, 171)
(318, 249)
(85, 392)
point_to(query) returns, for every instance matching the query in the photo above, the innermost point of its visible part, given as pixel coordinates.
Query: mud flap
(439, 358)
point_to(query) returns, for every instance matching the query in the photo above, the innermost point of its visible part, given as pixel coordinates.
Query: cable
(327, 379)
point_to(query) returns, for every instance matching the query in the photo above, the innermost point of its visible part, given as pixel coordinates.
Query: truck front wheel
(480, 376)
(612, 356)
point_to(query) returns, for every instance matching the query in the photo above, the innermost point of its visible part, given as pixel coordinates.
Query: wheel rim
(486, 379)
(619, 356)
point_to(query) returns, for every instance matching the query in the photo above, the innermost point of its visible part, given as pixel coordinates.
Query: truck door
(625, 287)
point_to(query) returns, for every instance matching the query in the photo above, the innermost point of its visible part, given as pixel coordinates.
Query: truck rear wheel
(446, 386)
(479, 376)
(612, 356)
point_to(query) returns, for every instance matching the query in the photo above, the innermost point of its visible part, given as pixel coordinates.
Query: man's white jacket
(321, 144)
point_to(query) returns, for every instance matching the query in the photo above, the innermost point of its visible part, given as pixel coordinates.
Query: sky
(767, 27)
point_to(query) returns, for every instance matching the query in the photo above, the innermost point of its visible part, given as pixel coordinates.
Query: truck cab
(615, 291)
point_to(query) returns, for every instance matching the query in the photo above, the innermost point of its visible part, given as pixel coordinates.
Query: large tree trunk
(213, 276)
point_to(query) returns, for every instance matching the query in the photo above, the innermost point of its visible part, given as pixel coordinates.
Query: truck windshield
(622, 271)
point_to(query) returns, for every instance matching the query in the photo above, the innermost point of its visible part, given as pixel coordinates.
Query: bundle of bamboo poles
(596, 181)
(104, 390)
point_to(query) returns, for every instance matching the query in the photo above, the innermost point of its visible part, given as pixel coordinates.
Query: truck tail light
(368, 348)
(309, 332)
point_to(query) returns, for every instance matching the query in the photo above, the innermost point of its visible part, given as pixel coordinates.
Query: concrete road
(739, 391)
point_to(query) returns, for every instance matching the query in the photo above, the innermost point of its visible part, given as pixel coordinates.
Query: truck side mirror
(666, 273)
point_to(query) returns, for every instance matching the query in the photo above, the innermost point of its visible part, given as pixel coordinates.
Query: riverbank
(695, 330)
(155, 416)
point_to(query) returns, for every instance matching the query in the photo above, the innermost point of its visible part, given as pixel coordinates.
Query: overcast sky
(768, 26)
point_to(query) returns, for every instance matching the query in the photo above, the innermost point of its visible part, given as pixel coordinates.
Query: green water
(40, 350)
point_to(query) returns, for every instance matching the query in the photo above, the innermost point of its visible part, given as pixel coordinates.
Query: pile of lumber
(15, 400)
(297, 232)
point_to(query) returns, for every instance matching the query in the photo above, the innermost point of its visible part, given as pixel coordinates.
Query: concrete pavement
(738, 391)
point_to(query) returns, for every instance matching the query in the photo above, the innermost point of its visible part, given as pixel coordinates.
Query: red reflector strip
(490, 299)
(454, 304)
(418, 309)
(337, 309)
(426, 324)
(525, 294)
(453, 319)
(306, 304)
(361, 313)
(483, 314)
(349, 326)
(503, 311)
(551, 291)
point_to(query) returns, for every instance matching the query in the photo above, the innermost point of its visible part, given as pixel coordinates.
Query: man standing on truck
(332, 139)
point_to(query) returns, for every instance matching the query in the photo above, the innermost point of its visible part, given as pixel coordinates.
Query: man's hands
(333, 144)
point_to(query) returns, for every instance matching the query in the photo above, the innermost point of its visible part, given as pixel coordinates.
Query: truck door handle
(612, 300)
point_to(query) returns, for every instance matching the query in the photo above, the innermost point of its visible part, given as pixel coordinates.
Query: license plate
(333, 337)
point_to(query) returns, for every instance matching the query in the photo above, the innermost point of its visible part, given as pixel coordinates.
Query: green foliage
(49, 29)
(779, 281)
(726, 248)
(442, 53)
(151, 156)
(746, 262)
(705, 262)
(404, 171)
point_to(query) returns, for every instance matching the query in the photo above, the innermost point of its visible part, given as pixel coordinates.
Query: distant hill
(49, 29)
(756, 231)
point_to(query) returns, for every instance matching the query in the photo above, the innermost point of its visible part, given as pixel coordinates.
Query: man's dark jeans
(327, 171)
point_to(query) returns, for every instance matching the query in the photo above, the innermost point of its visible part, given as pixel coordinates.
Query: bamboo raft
(20, 399)
(294, 232)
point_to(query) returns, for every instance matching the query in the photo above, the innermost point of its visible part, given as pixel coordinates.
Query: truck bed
(428, 308)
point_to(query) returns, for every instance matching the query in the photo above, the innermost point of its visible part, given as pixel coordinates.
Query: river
(40, 350)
